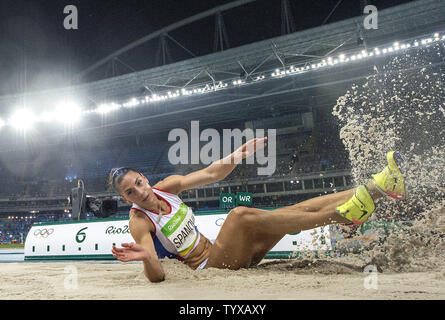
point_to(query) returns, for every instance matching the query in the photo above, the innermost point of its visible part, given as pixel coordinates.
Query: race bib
(180, 229)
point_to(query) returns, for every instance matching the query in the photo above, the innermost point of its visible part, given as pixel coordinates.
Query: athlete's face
(135, 188)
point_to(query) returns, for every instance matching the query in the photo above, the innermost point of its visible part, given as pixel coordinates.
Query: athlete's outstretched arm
(143, 250)
(215, 172)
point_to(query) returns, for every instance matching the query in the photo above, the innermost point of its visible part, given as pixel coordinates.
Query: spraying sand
(401, 107)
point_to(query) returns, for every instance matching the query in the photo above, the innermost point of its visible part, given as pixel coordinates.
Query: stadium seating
(54, 175)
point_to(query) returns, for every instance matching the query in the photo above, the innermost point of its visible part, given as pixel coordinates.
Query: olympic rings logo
(43, 233)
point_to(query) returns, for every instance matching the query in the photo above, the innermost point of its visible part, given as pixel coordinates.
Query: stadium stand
(43, 179)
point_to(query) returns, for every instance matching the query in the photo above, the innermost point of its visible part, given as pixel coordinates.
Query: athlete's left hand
(129, 252)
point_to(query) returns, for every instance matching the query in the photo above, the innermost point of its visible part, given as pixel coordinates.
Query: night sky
(37, 52)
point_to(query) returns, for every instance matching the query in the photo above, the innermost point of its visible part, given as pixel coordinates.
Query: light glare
(68, 112)
(22, 119)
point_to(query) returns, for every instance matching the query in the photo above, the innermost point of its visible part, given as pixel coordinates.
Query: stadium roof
(414, 19)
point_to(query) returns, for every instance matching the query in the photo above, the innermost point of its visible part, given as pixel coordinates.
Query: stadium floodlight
(278, 73)
(22, 119)
(107, 107)
(47, 116)
(134, 102)
(238, 82)
(68, 112)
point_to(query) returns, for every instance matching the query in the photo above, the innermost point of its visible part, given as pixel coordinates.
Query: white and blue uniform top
(175, 230)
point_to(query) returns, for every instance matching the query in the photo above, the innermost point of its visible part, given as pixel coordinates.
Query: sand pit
(271, 280)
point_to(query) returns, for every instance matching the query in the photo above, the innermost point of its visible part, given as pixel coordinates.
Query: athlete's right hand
(130, 252)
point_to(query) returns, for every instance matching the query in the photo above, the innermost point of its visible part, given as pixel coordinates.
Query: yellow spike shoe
(359, 207)
(390, 181)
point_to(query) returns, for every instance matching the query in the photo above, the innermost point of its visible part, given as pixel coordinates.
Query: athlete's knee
(243, 215)
(306, 208)
(239, 211)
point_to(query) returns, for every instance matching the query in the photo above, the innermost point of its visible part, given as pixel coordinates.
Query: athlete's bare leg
(249, 233)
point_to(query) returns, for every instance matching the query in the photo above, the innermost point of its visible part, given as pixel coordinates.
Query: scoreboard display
(232, 200)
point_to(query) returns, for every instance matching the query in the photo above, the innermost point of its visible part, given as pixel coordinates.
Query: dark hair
(116, 175)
